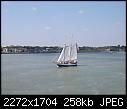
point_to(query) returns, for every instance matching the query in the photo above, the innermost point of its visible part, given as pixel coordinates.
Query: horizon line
(62, 46)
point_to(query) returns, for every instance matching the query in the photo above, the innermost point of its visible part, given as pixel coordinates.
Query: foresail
(61, 57)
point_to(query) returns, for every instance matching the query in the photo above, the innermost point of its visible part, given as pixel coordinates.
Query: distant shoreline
(57, 49)
(78, 52)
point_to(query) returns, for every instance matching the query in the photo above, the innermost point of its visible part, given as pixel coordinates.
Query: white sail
(73, 52)
(61, 57)
(69, 53)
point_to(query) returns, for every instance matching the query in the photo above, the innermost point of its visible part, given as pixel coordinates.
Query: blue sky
(41, 23)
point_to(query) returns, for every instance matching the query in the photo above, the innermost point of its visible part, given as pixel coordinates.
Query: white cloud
(118, 23)
(80, 11)
(5, 2)
(34, 8)
(48, 28)
(5, 6)
(85, 29)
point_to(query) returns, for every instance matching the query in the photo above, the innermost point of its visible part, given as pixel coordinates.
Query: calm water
(96, 73)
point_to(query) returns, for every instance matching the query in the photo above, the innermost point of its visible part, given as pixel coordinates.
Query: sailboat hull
(66, 65)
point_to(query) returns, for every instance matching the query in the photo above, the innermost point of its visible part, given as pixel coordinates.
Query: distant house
(4, 50)
(107, 49)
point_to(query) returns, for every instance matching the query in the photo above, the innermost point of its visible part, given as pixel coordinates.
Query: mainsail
(73, 52)
(69, 53)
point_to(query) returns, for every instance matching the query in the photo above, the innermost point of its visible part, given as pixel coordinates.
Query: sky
(53, 23)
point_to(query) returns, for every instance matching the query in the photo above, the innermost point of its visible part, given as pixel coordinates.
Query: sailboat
(68, 56)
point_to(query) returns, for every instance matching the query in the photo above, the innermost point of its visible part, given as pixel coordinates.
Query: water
(96, 73)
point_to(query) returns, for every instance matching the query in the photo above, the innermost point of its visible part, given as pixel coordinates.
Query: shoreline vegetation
(56, 49)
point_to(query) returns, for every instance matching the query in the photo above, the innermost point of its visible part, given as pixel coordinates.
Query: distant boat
(68, 56)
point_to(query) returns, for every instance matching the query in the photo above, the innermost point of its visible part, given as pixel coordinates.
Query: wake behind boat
(68, 56)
